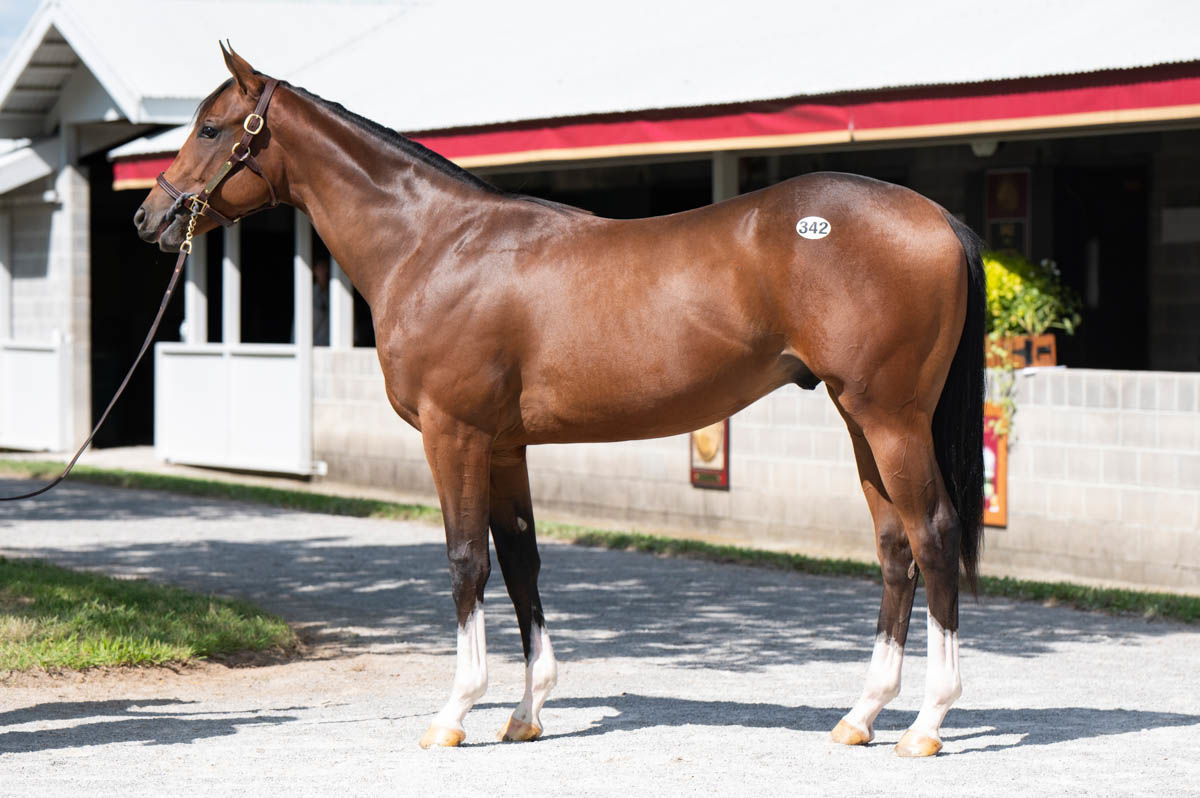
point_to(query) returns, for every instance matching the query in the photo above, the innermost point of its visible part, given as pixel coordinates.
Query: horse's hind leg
(460, 457)
(516, 548)
(903, 449)
(899, 586)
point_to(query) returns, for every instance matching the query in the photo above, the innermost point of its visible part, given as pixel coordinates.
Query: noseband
(197, 204)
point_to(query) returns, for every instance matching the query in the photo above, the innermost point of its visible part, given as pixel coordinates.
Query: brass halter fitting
(240, 154)
(186, 246)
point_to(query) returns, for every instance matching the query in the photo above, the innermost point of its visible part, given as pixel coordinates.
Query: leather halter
(253, 124)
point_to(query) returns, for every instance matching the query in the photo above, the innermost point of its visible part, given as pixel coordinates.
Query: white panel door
(31, 379)
(237, 406)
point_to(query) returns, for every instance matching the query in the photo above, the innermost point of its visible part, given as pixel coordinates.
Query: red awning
(140, 171)
(1073, 102)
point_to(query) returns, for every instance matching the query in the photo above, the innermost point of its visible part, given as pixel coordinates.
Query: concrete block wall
(355, 430)
(1104, 478)
(39, 294)
(1104, 473)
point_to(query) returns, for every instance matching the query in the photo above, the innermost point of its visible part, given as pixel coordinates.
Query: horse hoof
(441, 736)
(518, 731)
(914, 744)
(848, 734)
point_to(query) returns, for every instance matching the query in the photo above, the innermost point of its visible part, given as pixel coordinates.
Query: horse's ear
(250, 82)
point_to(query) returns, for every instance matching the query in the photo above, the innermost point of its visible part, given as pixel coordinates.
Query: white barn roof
(421, 65)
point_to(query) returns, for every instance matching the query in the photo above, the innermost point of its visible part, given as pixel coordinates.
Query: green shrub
(1024, 298)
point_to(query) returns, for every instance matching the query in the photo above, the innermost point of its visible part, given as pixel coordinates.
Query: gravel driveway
(676, 677)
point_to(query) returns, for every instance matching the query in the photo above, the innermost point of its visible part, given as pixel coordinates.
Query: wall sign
(1007, 209)
(995, 468)
(710, 456)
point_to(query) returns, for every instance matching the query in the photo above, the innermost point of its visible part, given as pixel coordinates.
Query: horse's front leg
(517, 551)
(459, 456)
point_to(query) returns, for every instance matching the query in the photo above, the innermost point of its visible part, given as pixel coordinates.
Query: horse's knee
(470, 568)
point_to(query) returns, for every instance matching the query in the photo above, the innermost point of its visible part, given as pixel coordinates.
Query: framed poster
(710, 456)
(995, 468)
(1007, 209)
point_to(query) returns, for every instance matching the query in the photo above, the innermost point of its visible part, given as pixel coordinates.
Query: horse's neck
(373, 204)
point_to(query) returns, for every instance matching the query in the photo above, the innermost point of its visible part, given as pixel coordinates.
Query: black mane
(403, 143)
(426, 155)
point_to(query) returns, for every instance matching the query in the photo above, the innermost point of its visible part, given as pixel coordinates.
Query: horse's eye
(208, 132)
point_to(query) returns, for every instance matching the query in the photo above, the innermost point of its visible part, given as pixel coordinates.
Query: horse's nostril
(139, 217)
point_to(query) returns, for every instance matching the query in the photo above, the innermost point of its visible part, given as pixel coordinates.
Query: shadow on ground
(151, 722)
(1044, 726)
(600, 603)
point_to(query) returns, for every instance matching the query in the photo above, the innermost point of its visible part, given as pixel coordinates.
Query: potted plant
(1025, 301)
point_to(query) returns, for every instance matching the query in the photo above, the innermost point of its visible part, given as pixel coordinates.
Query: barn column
(724, 176)
(70, 266)
(195, 294)
(231, 287)
(341, 308)
(5, 275)
(303, 327)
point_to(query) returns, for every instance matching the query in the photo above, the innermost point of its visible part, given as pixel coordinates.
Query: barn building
(1075, 139)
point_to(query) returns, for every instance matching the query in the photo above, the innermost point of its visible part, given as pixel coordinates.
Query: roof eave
(90, 55)
(52, 14)
(22, 52)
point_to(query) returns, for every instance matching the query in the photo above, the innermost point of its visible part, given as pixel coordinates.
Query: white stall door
(241, 406)
(31, 380)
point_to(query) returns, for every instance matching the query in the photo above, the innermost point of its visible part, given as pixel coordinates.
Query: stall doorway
(1101, 245)
(128, 277)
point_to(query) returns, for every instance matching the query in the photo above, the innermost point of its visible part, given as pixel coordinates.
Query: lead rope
(185, 249)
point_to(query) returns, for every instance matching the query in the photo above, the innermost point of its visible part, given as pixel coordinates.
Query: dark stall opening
(128, 278)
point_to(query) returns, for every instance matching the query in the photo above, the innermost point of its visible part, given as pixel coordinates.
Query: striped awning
(1112, 100)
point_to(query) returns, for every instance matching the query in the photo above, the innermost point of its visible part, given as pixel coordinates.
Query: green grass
(274, 497)
(1110, 600)
(711, 552)
(52, 617)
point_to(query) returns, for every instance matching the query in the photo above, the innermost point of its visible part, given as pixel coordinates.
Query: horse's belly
(608, 403)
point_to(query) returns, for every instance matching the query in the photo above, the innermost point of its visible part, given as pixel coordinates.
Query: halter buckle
(249, 119)
(243, 156)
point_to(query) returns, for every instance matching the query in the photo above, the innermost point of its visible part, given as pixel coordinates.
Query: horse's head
(223, 122)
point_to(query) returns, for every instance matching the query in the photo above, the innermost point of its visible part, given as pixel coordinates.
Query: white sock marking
(470, 672)
(943, 681)
(541, 674)
(883, 684)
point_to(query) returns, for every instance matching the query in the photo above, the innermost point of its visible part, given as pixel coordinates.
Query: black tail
(958, 420)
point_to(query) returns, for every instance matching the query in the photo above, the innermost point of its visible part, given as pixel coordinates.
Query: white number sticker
(812, 227)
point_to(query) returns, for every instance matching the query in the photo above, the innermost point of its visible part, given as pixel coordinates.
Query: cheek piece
(240, 155)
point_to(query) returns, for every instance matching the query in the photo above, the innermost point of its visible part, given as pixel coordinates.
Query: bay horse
(505, 321)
